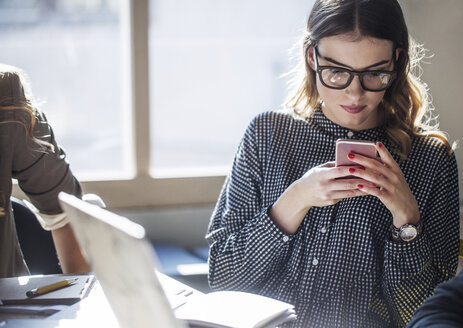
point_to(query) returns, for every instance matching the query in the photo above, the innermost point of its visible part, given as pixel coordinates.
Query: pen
(49, 288)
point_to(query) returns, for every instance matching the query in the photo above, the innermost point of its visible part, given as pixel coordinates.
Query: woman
(287, 225)
(30, 154)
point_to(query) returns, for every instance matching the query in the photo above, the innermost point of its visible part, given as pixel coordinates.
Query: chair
(36, 244)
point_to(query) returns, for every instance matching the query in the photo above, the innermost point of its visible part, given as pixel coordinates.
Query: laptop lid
(123, 261)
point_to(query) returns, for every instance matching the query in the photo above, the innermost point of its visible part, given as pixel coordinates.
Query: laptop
(124, 262)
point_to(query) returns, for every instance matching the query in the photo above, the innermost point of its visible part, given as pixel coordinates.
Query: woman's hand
(391, 187)
(326, 185)
(320, 186)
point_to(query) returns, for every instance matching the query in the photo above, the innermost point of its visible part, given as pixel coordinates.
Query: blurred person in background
(30, 154)
(442, 310)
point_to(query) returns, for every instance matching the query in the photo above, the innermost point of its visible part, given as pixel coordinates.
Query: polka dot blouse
(341, 268)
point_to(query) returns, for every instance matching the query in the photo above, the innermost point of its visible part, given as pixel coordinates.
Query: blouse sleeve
(246, 247)
(412, 270)
(42, 170)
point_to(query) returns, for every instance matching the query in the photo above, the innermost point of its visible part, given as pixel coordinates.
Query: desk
(92, 311)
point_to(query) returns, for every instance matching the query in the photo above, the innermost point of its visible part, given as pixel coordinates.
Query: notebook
(124, 263)
(13, 291)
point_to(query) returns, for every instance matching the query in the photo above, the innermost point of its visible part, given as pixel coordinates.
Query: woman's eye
(336, 71)
(376, 74)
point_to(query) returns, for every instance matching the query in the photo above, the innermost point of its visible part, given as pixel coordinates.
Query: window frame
(144, 190)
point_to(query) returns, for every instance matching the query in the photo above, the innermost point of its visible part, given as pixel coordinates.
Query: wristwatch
(407, 232)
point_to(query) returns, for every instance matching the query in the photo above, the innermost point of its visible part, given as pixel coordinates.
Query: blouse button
(285, 238)
(323, 230)
(350, 134)
(315, 261)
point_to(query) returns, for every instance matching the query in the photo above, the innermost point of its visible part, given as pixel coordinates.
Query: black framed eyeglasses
(340, 78)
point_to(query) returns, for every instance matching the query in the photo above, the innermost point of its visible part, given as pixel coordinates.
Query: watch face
(408, 233)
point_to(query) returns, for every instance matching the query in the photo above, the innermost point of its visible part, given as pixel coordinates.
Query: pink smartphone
(346, 146)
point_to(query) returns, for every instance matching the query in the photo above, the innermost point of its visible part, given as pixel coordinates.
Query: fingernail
(351, 170)
(360, 186)
(380, 144)
(351, 156)
(375, 185)
(361, 168)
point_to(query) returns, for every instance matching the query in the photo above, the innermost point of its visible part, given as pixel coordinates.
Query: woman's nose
(355, 88)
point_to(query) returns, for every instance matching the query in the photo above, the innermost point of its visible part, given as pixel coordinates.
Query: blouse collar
(319, 121)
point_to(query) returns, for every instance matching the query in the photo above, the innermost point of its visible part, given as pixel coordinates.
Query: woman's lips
(353, 109)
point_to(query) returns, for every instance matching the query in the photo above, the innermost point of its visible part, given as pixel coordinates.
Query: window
(213, 66)
(72, 53)
(151, 98)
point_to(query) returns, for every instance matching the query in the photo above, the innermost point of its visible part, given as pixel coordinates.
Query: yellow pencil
(49, 288)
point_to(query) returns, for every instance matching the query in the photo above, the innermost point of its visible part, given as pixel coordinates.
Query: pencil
(49, 288)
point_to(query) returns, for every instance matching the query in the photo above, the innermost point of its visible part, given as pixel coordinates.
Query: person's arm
(412, 270)
(42, 172)
(246, 246)
(69, 253)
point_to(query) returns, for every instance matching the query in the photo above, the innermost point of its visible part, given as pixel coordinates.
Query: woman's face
(352, 107)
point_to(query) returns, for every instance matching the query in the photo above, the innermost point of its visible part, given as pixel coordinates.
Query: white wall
(438, 24)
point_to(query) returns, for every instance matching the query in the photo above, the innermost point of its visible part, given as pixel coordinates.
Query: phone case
(346, 146)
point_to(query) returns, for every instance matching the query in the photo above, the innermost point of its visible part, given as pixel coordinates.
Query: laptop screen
(124, 263)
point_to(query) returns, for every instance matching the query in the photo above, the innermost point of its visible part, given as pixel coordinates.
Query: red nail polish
(361, 168)
(360, 186)
(351, 170)
(375, 185)
(351, 156)
(380, 144)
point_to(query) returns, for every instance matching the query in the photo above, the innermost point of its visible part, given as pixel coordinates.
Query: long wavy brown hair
(15, 95)
(406, 109)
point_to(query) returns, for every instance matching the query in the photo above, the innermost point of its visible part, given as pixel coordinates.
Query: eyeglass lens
(338, 78)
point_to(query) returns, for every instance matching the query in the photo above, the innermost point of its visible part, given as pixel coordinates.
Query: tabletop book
(233, 309)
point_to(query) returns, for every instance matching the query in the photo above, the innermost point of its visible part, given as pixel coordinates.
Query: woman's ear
(310, 58)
